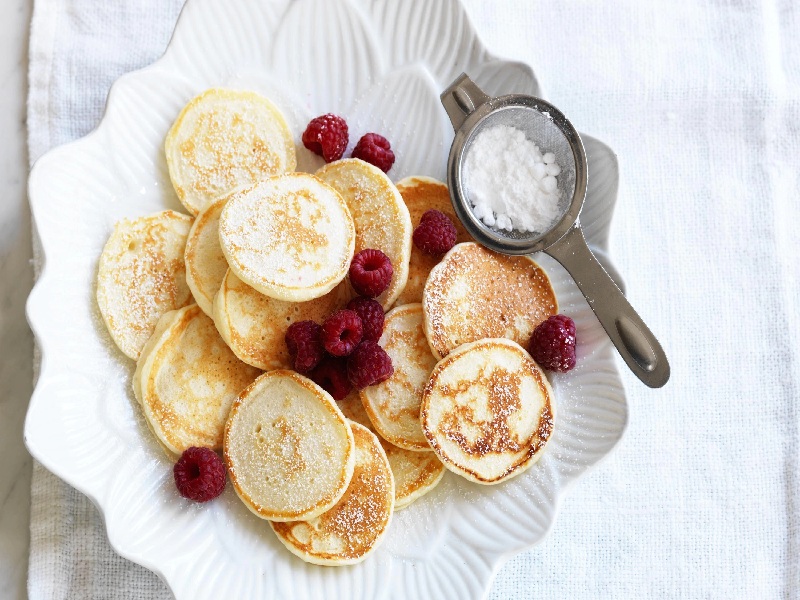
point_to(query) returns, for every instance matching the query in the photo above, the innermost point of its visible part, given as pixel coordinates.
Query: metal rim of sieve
(491, 109)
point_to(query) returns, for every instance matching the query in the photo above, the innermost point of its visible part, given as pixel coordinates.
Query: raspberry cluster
(328, 135)
(343, 353)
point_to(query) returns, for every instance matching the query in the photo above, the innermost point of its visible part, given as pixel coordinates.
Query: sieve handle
(462, 98)
(636, 344)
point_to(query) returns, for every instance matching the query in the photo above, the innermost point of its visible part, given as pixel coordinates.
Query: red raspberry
(371, 313)
(199, 474)
(435, 233)
(327, 136)
(341, 332)
(331, 376)
(370, 272)
(368, 364)
(553, 344)
(304, 344)
(376, 150)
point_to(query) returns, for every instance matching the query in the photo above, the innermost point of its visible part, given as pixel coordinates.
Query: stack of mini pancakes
(203, 302)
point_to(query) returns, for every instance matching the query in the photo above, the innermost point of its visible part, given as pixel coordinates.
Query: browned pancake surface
(475, 293)
(421, 194)
(487, 410)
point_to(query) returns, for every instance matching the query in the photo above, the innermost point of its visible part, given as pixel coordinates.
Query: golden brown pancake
(380, 216)
(487, 410)
(421, 194)
(224, 139)
(393, 405)
(475, 293)
(347, 533)
(187, 379)
(205, 263)
(141, 276)
(254, 325)
(415, 473)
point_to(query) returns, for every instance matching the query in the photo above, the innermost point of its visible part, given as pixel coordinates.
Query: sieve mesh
(541, 128)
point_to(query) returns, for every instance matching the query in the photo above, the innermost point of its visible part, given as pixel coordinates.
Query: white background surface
(701, 102)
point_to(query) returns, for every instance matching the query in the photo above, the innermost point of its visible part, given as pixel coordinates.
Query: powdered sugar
(511, 184)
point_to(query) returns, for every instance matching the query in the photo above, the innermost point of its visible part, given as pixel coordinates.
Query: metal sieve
(471, 110)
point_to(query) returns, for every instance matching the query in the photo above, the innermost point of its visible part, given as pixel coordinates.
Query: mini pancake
(421, 194)
(393, 405)
(205, 263)
(254, 325)
(165, 322)
(380, 216)
(475, 293)
(225, 139)
(289, 450)
(347, 533)
(487, 410)
(141, 275)
(415, 473)
(289, 237)
(187, 379)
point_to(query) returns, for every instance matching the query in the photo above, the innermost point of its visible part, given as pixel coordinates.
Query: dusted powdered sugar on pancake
(289, 450)
(381, 218)
(205, 263)
(475, 293)
(347, 533)
(421, 194)
(415, 473)
(254, 325)
(142, 275)
(224, 139)
(487, 410)
(393, 405)
(187, 379)
(289, 237)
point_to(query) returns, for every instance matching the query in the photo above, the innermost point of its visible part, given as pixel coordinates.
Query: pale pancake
(141, 275)
(289, 237)
(289, 450)
(380, 216)
(475, 293)
(421, 194)
(393, 405)
(187, 381)
(254, 325)
(164, 323)
(224, 139)
(205, 263)
(487, 410)
(347, 533)
(415, 473)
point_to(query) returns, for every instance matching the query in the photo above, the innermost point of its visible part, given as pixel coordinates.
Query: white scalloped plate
(381, 64)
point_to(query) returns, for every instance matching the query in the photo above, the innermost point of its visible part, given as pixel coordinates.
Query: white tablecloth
(701, 101)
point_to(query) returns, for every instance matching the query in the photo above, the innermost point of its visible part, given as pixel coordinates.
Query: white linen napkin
(701, 101)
